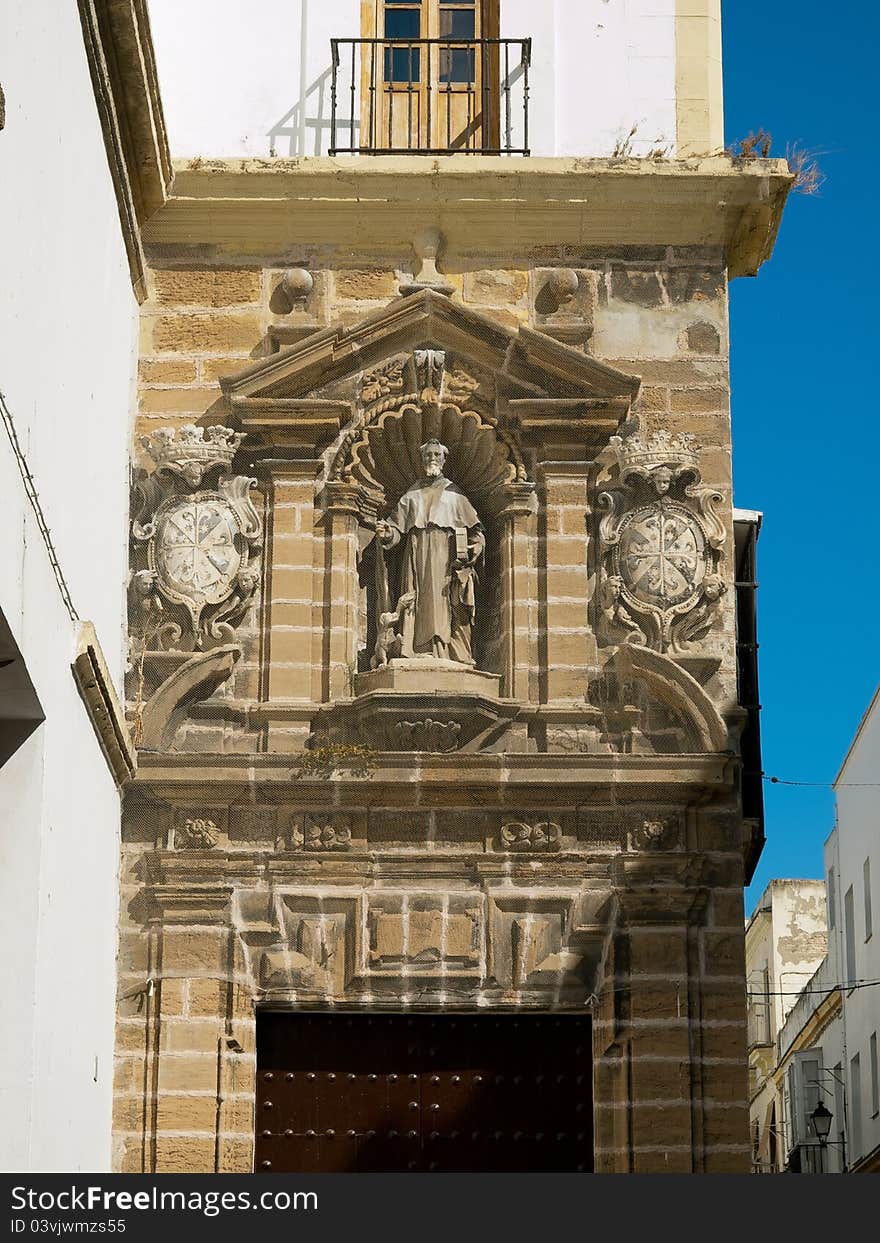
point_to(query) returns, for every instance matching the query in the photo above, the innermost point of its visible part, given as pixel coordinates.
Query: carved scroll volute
(197, 539)
(661, 540)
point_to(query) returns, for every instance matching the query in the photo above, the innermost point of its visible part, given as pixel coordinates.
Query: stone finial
(563, 284)
(427, 245)
(297, 284)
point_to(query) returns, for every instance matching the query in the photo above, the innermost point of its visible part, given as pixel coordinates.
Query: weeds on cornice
(808, 176)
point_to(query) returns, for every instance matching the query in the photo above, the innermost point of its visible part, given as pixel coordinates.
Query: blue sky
(804, 403)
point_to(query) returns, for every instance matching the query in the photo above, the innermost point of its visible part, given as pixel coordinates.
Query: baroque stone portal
(427, 601)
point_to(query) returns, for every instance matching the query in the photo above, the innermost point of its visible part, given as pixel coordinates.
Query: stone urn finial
(296, 285)
(427, 245)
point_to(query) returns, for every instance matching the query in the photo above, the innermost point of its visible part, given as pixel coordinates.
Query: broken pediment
(537, 387)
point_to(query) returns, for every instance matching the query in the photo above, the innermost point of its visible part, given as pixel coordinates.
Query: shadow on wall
(305, 130)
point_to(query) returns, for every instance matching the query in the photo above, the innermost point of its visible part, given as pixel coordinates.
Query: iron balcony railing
(430, 96)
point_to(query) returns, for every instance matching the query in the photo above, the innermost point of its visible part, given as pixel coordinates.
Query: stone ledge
(492, 204)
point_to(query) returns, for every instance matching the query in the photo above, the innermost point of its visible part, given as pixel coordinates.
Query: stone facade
(559, 828)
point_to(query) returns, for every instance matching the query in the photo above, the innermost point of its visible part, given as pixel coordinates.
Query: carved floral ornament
(198, 546)
(410, 399)
(198, 834)
(661, 539)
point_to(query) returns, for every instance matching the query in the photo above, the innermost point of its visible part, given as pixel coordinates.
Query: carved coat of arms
(200, 544)
(661, 540)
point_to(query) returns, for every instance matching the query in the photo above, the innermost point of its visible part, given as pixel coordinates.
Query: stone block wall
(528, 876)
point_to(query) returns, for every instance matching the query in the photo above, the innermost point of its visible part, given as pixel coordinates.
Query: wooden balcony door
(422, 93)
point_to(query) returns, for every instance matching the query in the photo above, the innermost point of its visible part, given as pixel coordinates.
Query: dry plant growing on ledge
(808, 176)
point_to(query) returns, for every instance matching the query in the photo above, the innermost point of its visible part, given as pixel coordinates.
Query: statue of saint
(441, 541)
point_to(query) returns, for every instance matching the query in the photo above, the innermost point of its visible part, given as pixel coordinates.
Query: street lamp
(821, 1121)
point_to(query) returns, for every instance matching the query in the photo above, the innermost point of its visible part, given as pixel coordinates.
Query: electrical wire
(31, 492)
(820, 785)
(814, 992)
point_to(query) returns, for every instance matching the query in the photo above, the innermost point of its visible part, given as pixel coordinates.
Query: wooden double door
(423, 1093)
(430, 76)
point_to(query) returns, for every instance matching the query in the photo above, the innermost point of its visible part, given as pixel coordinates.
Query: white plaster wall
(858, 838)
(240, 80)
(67, 340)
(799, 939)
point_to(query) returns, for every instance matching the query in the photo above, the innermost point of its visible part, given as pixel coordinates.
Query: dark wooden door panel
(431, 1093)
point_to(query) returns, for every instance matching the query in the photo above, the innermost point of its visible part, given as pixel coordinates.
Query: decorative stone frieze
(518, 836)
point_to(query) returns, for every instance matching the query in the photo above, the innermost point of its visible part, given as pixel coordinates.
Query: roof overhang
(485, 205)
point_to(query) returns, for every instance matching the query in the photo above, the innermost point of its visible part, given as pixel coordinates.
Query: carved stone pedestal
(406, 677)
(420, 705)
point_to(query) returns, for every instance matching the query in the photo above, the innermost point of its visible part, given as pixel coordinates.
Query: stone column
(519, 611)
(338, 655)
(567, 645)
(289, 591)
(666, 1102)
(199, 1039)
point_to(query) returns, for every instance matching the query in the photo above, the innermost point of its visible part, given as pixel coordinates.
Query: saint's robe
(425, 521)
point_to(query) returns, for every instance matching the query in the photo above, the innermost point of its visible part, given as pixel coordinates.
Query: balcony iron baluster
(334, 58)
(352, 113)
(508, 129)
(526, 59)
(484, 103)
(473, 112)
(448, 98)
(429, 132)
(391, 106)
(372, 134)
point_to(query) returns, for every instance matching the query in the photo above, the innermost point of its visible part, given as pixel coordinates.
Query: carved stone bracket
(157, 721)
(649, 702)
(661, 539)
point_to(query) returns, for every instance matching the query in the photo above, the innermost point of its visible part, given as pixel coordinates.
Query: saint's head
(434, 456)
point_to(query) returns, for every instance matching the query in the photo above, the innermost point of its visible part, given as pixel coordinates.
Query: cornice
(95, 685)
(481, 204)
(119, 49)
(425, 781)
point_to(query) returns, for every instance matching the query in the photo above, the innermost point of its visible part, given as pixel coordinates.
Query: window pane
(457, 24)
(402, 23)
(457, 64)
(849, 924)
(402, 64)
(869, 917)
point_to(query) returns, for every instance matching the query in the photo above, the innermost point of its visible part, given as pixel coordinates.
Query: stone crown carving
(192, 451)
(639, 455)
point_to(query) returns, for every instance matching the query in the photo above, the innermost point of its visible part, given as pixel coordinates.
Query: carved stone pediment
(537, 385)
(530, 363)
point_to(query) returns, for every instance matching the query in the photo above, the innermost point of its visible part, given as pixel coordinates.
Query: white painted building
(786, 940)
(827, 1047)
(68, 319)
(852, 868)
(632, 76)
